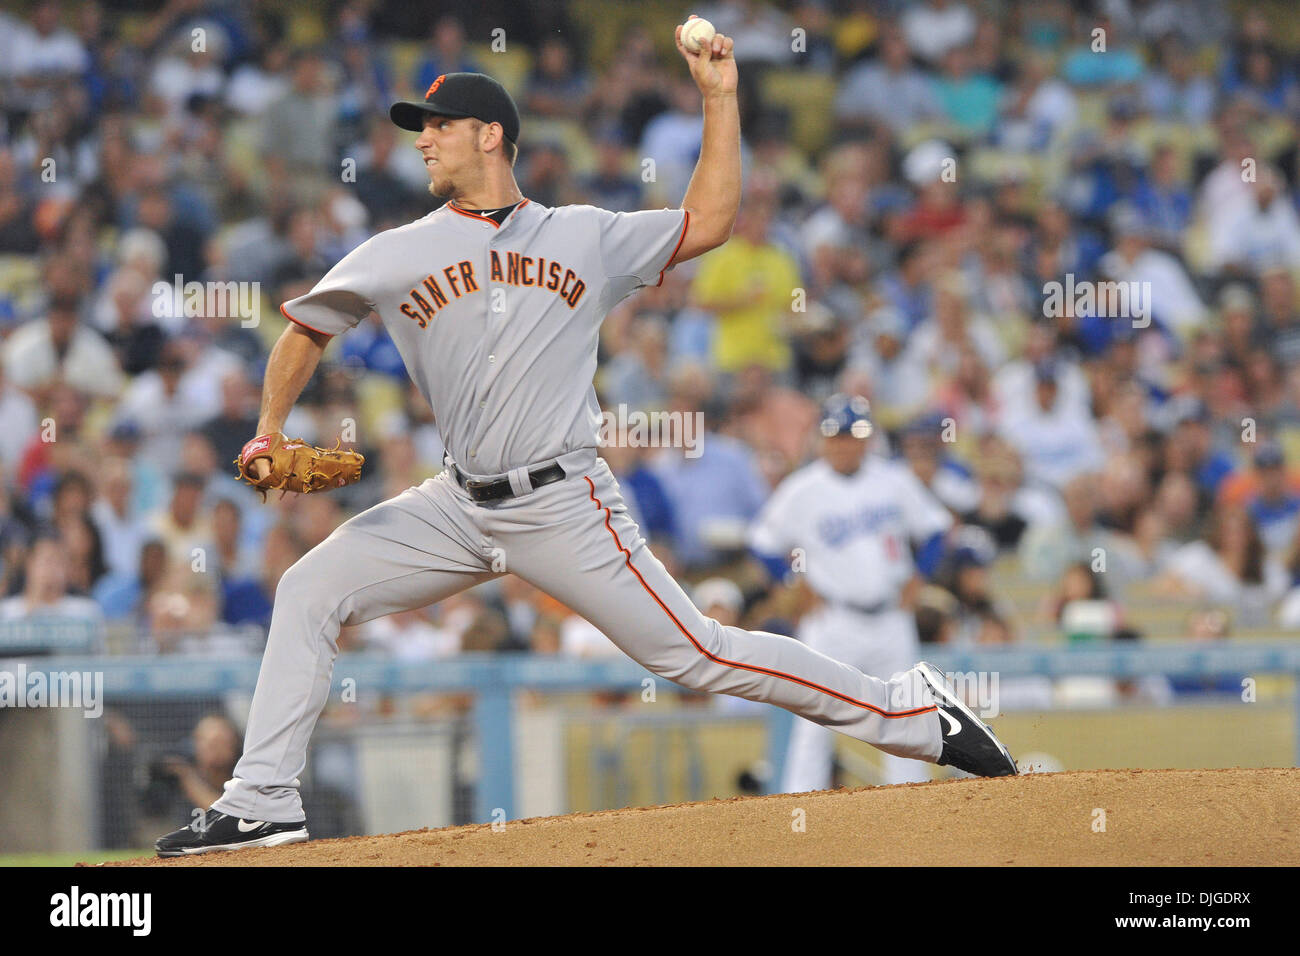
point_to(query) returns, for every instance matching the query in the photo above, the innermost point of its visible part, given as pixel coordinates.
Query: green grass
(68, 859)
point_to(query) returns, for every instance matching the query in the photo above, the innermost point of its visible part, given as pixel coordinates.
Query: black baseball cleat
(968, 743)
(216, 831)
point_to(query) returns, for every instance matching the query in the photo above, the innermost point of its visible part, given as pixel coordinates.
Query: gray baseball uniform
(498, 328)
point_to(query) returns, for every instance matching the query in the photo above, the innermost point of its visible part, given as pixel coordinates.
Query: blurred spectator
(609, 185)
(937, 209)
(1080, 608)
(1164, 200)
(447, 54)
(644, 492)
(951, 329)
(84, 552)
(411, 636)
(671, 140)
(1275, 505)
(887, 89)
(255, 85)
(370, 347)
(556, 88)
(968, 99)
(720, 599)
(924, 452)
(837, 241)
(183, 612)
(907, 287)
(761, 32)
(1209, 625)
(46, 589)
(391, 180)
(1229, 568)
(899, 384)
(185, 526)
(43, 54)
(820, 346)
(234, 555)
(1048, 548)
(713, 495)
(182, 237)
(246, 597)
(1177, 90)
(1104, 56)
(1258, 72)
(1191, 450)
(1260, 234)
(635, 375)
(997, 510)
(1177, 306)
(775, 422)
(298, 128)
(60, 348)
(125, 594)
(236, 422)
(188, 69)
(17, 210)
(544, 174)
(1056, 442)
(935, 27)
(162, 404)
(202, 772)
(750, 285)
(979, 616)
(1036, 108)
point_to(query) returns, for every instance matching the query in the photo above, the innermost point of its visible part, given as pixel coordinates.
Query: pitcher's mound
(1090, 817)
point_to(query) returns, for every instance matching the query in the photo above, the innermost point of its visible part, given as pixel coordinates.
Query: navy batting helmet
(846, 413)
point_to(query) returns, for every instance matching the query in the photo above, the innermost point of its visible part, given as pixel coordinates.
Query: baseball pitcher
(494, 303)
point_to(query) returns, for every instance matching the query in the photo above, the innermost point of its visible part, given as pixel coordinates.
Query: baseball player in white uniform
(848, 522)
(494, 303)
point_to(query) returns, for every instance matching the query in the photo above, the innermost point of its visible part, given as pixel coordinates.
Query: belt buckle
(480, 490)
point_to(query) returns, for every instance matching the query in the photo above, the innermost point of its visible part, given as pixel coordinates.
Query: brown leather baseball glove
(297, 466)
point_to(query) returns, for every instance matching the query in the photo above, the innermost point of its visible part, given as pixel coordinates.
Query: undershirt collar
(496, 215)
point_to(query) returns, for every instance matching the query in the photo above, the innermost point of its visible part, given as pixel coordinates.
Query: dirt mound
(1093, 817)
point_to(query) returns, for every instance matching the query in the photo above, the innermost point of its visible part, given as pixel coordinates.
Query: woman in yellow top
(749, 284)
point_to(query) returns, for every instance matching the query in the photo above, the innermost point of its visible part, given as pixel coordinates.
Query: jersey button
(492, 358)
(482, 404)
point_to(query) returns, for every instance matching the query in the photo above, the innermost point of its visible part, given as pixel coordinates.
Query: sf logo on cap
(434, 85)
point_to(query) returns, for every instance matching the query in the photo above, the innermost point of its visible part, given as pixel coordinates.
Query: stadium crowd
(919, 175)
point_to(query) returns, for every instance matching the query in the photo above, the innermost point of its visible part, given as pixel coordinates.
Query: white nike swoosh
(257, 825)
(953, 723)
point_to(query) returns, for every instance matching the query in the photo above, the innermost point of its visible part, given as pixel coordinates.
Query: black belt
(497, 488)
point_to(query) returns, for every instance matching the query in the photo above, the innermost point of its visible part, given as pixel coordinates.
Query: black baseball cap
(460, 95)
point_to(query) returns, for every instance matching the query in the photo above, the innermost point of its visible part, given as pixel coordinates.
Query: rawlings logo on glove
(296, 466)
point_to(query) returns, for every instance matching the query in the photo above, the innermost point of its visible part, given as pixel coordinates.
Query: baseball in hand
(697, 33)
